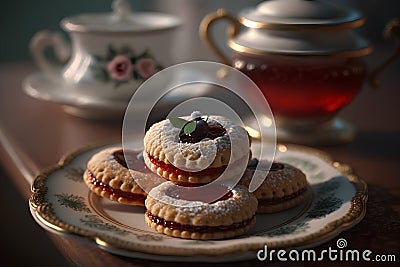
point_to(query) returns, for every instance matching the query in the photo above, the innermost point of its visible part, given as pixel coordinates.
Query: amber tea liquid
(304, 87)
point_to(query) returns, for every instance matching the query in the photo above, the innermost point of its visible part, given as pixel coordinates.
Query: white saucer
(41, 86)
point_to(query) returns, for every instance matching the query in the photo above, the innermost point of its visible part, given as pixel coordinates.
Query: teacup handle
(205, 31)
(44, 39)
(391, 31)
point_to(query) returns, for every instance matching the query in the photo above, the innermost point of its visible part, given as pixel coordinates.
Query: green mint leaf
(189, 127)
(178, 122)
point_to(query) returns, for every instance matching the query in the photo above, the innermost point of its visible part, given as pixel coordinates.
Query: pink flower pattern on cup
(146, 67)
(123, 65)
(120, 68)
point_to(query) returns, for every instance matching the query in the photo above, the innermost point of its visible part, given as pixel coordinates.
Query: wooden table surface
(35, 134)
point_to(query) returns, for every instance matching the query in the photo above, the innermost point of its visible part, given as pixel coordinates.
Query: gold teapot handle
(205, 31)
(391, 31)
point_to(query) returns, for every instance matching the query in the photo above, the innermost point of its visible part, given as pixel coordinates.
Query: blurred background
(20, 20)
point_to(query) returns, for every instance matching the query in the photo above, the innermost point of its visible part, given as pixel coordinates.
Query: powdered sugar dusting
(195, 114)
(278, 183)
(240, 206)
(200, 155)
(109, 171)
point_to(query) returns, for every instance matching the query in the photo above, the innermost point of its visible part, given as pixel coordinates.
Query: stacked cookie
(192, 152)
(190, 159)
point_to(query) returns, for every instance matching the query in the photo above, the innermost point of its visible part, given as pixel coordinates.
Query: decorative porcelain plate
(62, 203)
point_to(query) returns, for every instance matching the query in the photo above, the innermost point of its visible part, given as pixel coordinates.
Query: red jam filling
(185, 184)
(275, 166)
(113, 191)
(200, 229)
(227, 196)
(204, 129)
(172, 169)
(274, 201)
(208, 195)
(129, 159)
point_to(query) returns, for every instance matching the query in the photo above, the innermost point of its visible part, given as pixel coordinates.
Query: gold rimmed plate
(62, 203)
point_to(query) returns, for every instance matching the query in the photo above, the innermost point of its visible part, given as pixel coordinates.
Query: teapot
(307, 60)
(110, 54)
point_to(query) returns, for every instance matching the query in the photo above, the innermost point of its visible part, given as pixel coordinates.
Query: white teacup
(110, 54)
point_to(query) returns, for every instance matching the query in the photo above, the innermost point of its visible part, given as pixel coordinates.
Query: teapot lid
(298, 14)
(122, 19)
(300, 28)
